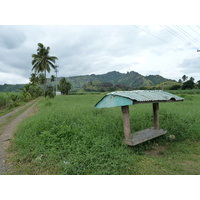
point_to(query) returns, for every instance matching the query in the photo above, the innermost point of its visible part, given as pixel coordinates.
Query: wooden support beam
(156, 115)
(126, 119)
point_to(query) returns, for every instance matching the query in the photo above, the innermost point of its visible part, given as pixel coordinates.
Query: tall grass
(193, 91)
(70, 136)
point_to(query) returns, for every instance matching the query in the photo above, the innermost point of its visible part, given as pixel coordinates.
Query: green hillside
(11, 88)
(132, 80)
(117, 80)
(166, 85)
(156, 79)
(97, 86)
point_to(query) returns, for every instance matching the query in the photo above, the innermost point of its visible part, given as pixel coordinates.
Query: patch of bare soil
(9, 130)
(156, 151)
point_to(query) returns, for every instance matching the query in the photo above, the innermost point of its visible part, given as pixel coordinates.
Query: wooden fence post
(126, 119)
(156, 115)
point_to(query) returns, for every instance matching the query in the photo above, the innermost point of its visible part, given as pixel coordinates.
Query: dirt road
(8, 130)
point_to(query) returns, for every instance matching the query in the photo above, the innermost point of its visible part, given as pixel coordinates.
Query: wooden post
(156, 115)
(126, 119)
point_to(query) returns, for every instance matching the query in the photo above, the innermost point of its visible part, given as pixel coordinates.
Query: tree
(49, 92)
(192, 79)
(34, 79)
(52, 80)
(30, 91)
(179, 81)
(198, 84)
(42, 81)
(188, 84)
(184, 78)
(64, 86)
(42, 61)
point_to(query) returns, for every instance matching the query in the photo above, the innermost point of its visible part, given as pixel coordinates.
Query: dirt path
(6, 116)
(9, 129)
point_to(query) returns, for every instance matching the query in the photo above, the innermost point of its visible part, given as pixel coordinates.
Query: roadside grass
(13, 116)
(180, 158)
(69, 136)
(7, 110)
(193, 91)
(9, 101)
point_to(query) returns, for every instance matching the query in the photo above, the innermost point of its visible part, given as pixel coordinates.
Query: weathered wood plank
(143, 136)
(126, 119)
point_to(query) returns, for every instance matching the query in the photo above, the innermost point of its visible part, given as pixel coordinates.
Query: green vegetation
(183, 92)
(11, 88)
(69, 136)
(64, 86)
(30, 91)
(131, 80)
(182, 84)
(15, 114)
(156, 79)
(42, 62)
(97, 86)
(112, 81)
(166, 85)
(8, 101)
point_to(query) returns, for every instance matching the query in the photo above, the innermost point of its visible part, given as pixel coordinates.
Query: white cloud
(11, 78)
(99, 49)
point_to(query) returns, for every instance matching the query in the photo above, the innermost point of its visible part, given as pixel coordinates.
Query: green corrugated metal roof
(122, 98)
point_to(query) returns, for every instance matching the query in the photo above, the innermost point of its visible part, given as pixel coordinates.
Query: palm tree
(42, 81)
(42, 62)
(52, 80)
(33, 79)
(26, 92)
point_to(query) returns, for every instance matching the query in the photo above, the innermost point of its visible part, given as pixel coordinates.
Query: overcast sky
(169, 51)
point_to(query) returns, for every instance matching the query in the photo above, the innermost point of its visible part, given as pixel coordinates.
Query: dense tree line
(186, 84)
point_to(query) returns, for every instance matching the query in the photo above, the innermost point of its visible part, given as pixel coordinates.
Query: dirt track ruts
(9, 129)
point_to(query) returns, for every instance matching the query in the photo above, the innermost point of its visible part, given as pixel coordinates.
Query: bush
(49, 92)
(188, 85)
(175, 87)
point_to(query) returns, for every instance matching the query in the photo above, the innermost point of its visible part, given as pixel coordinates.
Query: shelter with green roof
(126, 98)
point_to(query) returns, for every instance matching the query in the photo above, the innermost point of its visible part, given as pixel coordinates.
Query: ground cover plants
(8, 101)
(69, 136)
(5, 98)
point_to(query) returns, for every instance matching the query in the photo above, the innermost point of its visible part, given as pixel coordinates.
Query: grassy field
(70, 136)
(193, 91)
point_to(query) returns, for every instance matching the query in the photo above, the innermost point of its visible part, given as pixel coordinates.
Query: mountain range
(117, 80)
(130, 79)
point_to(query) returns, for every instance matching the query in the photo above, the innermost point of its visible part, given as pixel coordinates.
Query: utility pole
(56, 70)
